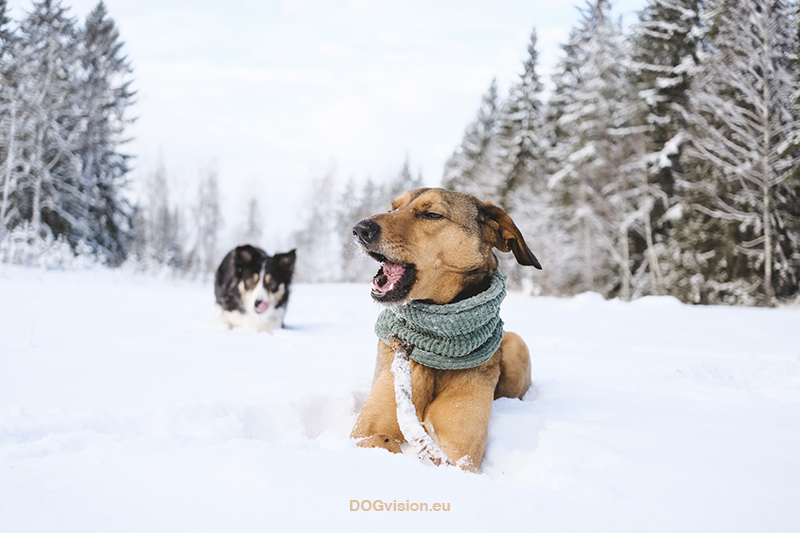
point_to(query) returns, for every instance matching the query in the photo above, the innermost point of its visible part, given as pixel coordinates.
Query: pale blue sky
(276, 93)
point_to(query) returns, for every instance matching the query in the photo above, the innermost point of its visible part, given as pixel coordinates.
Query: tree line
(665, 160)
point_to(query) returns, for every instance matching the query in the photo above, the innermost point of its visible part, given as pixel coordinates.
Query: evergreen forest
(660, 159)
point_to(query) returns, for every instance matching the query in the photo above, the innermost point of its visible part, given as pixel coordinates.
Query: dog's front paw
(380, 441)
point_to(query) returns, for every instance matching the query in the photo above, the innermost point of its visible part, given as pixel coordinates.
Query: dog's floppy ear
(504, 234)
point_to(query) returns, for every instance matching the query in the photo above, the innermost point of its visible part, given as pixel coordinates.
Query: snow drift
(124, 406)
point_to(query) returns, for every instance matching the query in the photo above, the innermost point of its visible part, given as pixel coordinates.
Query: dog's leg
(459, 415)
(515, 368)
(376, 426)
(406, 412)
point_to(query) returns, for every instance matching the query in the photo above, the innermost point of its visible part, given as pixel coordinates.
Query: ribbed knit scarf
(453, 336)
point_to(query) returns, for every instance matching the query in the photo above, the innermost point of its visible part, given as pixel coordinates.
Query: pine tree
(787, 194)
(103, 97)
(204, 256)
(8, 117)
(744, 124)
(473, 167)
(253, 230)
(591, 112)
(157, 225)
(404, 181)
(6, 35)
(317, 241)
(62, 106)
(664, 61)
(356, 204)
(522, 133)
(48, 194)
(346, 216)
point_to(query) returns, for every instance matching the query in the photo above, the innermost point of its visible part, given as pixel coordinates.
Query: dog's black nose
(366, 231)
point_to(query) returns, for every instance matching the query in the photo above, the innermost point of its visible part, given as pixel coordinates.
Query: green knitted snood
(454, 336)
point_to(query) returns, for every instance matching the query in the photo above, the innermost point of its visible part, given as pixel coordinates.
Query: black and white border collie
(252, 288)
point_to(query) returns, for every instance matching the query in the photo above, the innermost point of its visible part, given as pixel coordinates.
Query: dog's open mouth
(393, 281)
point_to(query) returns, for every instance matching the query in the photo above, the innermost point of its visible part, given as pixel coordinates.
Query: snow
(124, 406)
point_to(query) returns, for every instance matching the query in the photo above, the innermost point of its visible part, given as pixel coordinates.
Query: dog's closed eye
(431, 215)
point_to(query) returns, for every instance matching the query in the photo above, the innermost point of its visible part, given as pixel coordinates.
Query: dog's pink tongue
(393, 272)
(262, 306)
(388, 277)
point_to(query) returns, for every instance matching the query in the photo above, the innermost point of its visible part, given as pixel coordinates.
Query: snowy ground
(124, 407)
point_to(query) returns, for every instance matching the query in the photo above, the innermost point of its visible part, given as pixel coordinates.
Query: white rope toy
(412, 430)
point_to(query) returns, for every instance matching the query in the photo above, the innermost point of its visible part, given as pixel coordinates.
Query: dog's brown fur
(453, 258)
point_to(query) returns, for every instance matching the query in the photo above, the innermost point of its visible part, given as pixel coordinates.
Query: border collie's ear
(243, 254)
(286, 260)
(504, 234)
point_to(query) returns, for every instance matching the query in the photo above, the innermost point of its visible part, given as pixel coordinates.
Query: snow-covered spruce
(63, 104)
(413, 432)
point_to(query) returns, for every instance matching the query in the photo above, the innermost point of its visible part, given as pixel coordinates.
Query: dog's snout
(366, 231)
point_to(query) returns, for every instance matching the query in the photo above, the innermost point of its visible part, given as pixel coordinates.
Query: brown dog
(436, 246)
